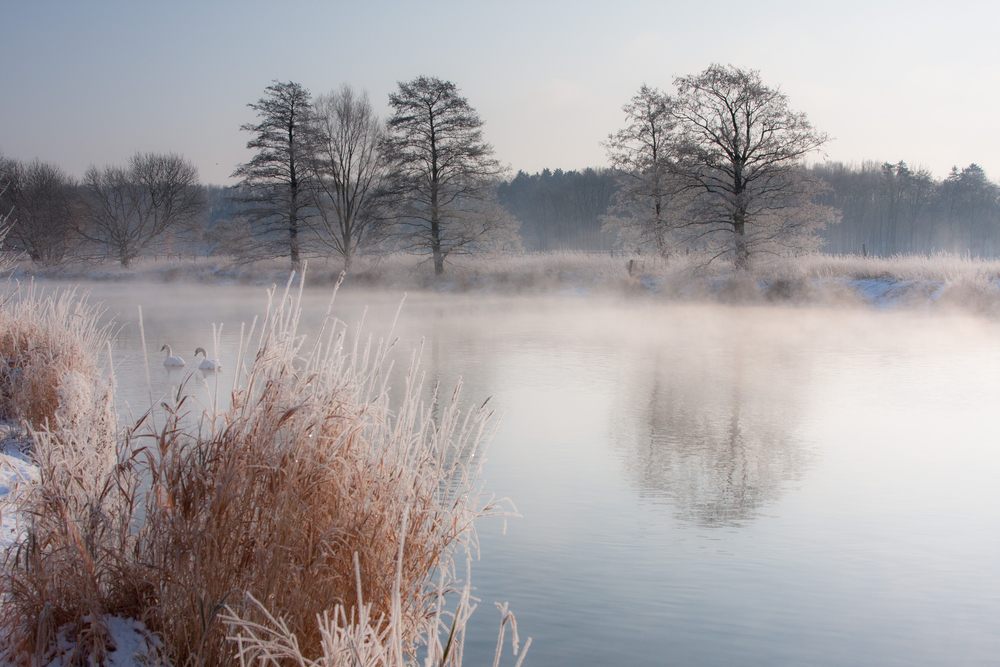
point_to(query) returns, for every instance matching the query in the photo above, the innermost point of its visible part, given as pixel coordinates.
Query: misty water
(698, 485)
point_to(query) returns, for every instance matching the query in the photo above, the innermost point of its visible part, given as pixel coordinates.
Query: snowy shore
(937, 282)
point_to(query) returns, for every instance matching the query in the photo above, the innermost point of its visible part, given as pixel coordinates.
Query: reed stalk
(314, 512)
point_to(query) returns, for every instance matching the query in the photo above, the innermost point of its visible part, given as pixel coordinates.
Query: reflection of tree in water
(708, 431)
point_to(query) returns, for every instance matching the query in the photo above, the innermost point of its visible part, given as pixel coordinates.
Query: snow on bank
(15, 471)
(945, 281)
(131, 644)
(890, 293)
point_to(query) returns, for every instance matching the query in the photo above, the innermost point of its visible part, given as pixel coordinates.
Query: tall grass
(313, 506)
(53, 382)
(50, 350)
(549, 271)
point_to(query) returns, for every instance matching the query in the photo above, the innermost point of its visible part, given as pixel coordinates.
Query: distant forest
(560, 210)
(887, 209)
(890, 209)
(329, 178)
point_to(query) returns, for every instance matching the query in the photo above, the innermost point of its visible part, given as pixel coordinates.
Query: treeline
(561, 210)
(886, 209)
(890, 209)
(330, 172)
(329, 177)
(154, 204)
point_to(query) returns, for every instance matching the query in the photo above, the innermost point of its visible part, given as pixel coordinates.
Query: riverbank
(937, 282)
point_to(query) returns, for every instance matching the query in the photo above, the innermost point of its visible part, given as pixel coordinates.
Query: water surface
(698, 485)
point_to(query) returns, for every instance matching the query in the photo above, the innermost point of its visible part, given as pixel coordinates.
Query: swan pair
(176, 362)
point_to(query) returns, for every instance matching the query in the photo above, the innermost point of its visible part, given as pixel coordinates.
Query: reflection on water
(698, 485)
(716, 446)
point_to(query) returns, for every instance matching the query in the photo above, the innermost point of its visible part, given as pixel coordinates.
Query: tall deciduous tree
(445, 174)
(131, 209)
(43, 205)
(273, 183)
(738, 159)
(640, 154)
(349, 169)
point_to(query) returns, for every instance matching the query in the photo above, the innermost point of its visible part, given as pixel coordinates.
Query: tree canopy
(273, 182)
(445, 174)
(720, 163)
(349, 169)
(738, 159)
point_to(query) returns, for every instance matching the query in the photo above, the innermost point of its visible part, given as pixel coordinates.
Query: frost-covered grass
(50, 349)
(309, 522)
(16, 473)
(55, 387)
(505, 273)
(947, 281)
(940, 267)
(943, 281)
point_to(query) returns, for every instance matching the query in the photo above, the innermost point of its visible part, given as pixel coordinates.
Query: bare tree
(737, 157)
(134, 208)
(43, 206)
(273, 183)
(445, 174)
(349, 169)
(640, 154)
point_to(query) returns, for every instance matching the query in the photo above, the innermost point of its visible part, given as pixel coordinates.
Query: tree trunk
(293, 230)
(436, 249)
(293, 242)
(436, 230)
(742, 258)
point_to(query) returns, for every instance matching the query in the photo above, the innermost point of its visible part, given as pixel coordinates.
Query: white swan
(171, 361)
(206, 363)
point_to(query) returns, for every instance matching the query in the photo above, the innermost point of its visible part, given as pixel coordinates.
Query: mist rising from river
(704, 484)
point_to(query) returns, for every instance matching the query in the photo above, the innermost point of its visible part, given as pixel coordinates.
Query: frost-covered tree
(273, 184)
(133, 208)
(640, 154)
(737, 159)
(43, 205)
(349, 169)
(445, 174)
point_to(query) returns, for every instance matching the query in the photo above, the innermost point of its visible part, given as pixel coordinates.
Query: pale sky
(93, 82)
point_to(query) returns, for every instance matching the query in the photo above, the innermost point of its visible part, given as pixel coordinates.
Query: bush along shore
(306, 524)
(939, 281)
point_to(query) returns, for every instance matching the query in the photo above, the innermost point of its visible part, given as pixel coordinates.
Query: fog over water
(698, 485)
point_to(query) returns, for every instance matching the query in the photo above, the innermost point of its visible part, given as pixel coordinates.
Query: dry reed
(54, 383)
(310, 496)
(49, 343)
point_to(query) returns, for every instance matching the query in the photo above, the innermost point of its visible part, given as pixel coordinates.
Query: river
(697, 484)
